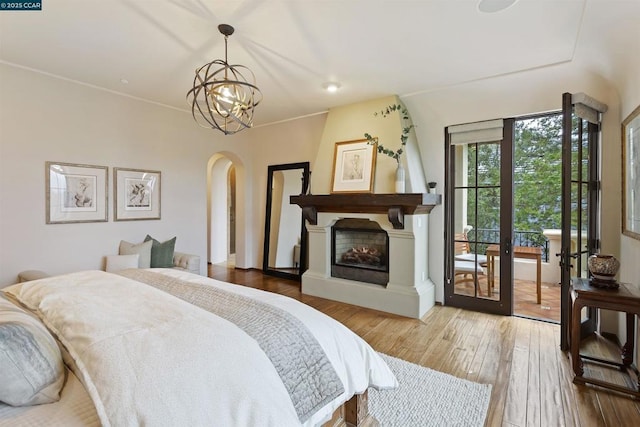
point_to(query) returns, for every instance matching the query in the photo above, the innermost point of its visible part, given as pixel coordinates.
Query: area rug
(428, 398)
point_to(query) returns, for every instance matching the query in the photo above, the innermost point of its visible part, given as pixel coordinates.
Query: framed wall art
(75, 193)
(136, 194)
(631, 175)
(353, 167)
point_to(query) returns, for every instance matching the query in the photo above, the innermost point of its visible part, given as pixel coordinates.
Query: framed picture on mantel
(354, 165)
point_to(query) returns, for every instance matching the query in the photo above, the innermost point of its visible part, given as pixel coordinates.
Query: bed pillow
(161, 253)
(31, 367)
(121, 262)
(142, 249)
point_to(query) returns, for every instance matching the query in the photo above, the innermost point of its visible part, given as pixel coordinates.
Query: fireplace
(389, 232)
(359, 251)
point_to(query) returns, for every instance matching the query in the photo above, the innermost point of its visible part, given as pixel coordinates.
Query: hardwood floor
(521, 358)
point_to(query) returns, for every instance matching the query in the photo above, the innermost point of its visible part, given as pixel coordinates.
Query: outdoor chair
(463, 251)
(468, 271)
(467, 266)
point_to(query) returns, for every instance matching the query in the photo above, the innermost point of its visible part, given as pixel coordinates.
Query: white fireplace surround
(409, 292)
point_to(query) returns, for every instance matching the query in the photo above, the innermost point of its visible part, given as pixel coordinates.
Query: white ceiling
(372, 47)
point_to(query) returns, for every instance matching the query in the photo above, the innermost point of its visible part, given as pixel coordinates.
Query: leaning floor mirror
(284, 229)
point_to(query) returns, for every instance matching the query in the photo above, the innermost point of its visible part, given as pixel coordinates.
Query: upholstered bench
(188, 262)
(181, 261)
(152, 253)
(29, 275)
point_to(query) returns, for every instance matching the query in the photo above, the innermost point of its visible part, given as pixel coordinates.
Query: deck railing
(485, 237)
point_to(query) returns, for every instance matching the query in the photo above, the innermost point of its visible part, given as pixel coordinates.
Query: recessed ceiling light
(331, 87)
(492, 6)
(124, 81)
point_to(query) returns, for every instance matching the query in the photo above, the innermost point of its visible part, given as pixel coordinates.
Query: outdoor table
(518, 252)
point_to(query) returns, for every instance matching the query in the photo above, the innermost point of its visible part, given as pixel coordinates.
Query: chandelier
(224, 96)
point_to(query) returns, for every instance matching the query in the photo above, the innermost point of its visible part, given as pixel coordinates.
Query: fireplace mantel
(396, 206)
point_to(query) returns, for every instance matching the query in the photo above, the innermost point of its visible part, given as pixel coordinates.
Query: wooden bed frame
(353, 413)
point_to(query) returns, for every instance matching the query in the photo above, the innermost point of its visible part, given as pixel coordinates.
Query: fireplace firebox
(359, 251)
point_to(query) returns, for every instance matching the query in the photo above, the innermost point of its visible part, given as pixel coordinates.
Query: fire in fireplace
(365, 255)
(359, 251)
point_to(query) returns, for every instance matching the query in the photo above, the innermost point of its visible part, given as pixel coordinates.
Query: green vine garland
(404, 114)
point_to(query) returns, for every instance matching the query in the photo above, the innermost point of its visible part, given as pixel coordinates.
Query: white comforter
(148, 358)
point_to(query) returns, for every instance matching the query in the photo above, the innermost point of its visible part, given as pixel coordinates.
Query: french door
(479, 216)
(580, 202)
(479, 211)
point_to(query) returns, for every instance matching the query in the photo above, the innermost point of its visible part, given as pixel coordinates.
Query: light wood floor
(526, 304)
(521, 358)
(524, 298)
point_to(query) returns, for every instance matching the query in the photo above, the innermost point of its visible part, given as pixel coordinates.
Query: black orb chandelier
(224, 96)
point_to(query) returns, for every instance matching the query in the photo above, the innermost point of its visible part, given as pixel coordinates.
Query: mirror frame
(267, 221)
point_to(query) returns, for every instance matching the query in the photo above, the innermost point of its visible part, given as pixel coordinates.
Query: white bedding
(74, 409)
(146, 357)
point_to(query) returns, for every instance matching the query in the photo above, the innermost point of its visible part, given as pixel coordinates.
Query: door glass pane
(575, 158)
(585, 153)
(577, 149)
(477, 218)
(489, 214)
(488, 165)
(584, 229)
(469, 220)
(487, 238)
(577, 237)
(466, 163)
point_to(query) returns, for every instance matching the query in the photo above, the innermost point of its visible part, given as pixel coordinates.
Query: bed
(167, 347)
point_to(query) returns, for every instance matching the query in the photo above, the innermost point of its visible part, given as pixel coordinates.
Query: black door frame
(504, 305)
(567, 256)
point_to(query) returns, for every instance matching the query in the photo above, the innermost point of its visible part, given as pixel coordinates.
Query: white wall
(289, 142)
(45, 118)
(630, 248)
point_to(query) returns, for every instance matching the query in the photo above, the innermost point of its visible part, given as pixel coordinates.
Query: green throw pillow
(161, 253)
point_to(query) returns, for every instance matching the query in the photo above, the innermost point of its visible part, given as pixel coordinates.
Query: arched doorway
(225, 241)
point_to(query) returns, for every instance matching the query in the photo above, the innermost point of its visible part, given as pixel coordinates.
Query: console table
(625, 299)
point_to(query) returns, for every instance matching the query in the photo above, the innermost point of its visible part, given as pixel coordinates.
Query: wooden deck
(521, 358)
(525, 298)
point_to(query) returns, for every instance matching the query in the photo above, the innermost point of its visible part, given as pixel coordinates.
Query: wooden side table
(624, 299)
(526, 252)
